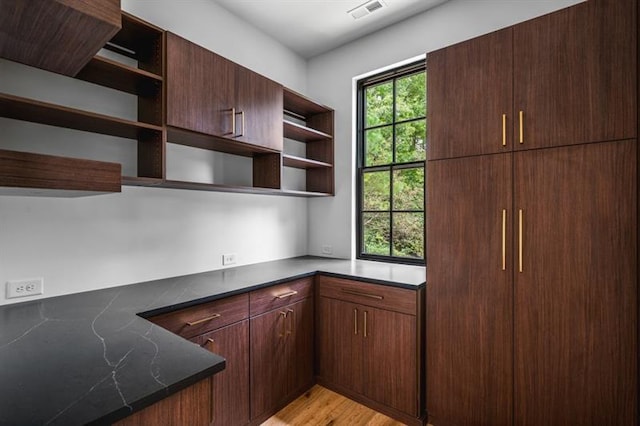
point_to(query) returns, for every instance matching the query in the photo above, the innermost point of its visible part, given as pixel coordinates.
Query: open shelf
(301, 105)
(212, 143)
(303, 163)
(303, 133)
(20, 108)
(109, 73)
(24, 173)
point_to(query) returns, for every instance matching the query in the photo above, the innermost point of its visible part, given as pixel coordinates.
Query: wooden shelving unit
(308, 122)
(109, 73)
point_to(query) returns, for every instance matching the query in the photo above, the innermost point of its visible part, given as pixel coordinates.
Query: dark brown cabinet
(281, 357)
(368, 345)
(230, 387)
(209, 94)
(57, 35)
(565, 78)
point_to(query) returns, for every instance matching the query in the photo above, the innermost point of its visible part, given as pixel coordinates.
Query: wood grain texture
(267, 299)
(340, 344)
(469, 297)
(57, 35)
(479, 72)
(575, 74)
(230, 310)
(113, 74)
(214, 143)
(268, 364)
(576, 349)
(22, 170)
(320, 406)
(300, 347)
(390, 363)
(200, 88)
(260, 100)
(302, 105)
(230, 387)
(143, 42)
(392, 298)
(190, 406)
(267, 170)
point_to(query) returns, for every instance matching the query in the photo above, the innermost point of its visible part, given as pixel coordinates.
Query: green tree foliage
(404, 116)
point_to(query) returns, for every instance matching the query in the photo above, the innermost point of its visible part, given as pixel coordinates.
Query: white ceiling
(312, 27)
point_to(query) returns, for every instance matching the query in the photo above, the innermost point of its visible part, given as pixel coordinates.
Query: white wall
(331, 81)
(143, 233)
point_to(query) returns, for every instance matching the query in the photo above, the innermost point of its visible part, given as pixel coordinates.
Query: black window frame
(394, 74)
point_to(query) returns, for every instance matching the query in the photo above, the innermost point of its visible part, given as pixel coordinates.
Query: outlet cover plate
(229, 259)
(24, 288)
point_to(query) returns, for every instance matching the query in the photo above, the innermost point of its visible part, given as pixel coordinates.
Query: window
(391, 165)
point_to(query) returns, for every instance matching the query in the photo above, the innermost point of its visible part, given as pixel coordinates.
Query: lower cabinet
(230, 387)
(282, 350)
(368, 345)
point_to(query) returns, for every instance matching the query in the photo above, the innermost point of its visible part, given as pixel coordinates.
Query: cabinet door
(576, 349)
(390, 371)
(200, 88)
(469, 292)
(259, 105)
(469, 88)
(230, 387)
(268, 364)
(340, 343)
(299, 356)
(575, 74)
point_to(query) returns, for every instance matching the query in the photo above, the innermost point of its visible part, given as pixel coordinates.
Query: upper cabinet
(57, 35)
(536, 84)
(209, 94)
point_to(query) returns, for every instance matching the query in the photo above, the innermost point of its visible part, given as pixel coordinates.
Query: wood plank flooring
(322, 407)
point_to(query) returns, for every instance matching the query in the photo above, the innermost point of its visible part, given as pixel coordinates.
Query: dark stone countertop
(90, 358)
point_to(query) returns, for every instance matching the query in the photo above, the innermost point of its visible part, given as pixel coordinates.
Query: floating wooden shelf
(56, 115)
(213, 143)
(23, 173)
(303, 163)
(109, 73)
(303, 133)
(301, 105)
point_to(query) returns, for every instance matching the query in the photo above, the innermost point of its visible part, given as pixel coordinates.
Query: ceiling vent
(366, 8)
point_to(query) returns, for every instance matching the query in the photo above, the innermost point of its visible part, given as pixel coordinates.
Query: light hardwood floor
(322, 407)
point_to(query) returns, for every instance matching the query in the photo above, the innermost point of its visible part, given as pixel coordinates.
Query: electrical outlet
(24, 288)
(327, 250)
(229, 259)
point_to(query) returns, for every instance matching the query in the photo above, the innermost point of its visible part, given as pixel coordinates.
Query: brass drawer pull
(287, 294)
(208, 342)
(355, 321)
(359, 293)
(504, 129)
(200, 321)
(365, 323)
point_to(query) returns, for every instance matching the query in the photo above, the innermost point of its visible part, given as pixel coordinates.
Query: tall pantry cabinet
(532, 285)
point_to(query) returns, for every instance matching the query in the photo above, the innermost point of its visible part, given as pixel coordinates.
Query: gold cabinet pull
(242, 122)
(233, 122)
(200, 321)
(355, 321)
(208, 342)
(283, 314)
(521, 117)
(359, 293)
(287, 294)
(504, 129)
(365, 324)
(520, 240)
(290, 311)
(504, 239)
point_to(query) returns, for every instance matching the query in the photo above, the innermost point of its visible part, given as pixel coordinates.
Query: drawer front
(210, 316)
(276, 296)
(379, 296)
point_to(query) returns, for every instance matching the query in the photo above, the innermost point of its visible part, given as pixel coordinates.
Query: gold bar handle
(243, 128)
(287, 294)
(233, 122)
(355, 321)
(284, 323)
(521, 117)
(504, 239)
(504, 129)
(365, 323)
(208, 342)
(200, 321)
(358, 293)
(520, 240)
(290, 311)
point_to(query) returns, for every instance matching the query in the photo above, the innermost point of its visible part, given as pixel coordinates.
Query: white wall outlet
(229, 259)
(23, 288)
(327, 250)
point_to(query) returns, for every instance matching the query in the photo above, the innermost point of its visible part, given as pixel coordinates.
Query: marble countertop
(92, 358)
